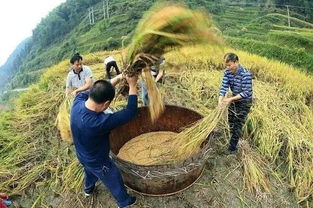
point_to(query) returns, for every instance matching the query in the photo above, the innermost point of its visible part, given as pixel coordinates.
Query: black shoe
(231, 151)
(133, 201)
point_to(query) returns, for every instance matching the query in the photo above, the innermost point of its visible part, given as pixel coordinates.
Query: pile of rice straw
(63, 119)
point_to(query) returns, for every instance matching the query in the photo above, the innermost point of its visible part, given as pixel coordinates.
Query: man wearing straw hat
(239, 80)
(91, 127)
(79, 78)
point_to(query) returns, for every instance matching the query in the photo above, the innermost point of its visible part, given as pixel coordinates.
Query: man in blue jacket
(90, 128)
(239, 80)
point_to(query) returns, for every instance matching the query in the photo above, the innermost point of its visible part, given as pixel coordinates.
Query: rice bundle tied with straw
(164, 28)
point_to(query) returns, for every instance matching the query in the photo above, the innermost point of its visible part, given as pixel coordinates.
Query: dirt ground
(220, 185)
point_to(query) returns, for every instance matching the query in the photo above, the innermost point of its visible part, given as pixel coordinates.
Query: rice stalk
(190, 139)
(154, 96)
(168, 25)
(165, 27)
(73, 177)
(254, 170)
(63, 120)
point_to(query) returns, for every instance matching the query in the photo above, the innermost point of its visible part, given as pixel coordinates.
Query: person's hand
(132, 81)
(117, 79)
(223, 103)
(226, 101)
(74, 93)
(120, 76)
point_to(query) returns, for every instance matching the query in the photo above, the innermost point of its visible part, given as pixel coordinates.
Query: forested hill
(67, 29)
(95, 25)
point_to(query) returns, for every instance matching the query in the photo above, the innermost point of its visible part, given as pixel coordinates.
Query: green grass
(292, 40)
(292, 56)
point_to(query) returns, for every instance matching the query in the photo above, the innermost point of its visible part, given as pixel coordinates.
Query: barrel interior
(173, 119)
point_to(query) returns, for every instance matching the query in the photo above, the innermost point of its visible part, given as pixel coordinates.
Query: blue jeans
(111, 177)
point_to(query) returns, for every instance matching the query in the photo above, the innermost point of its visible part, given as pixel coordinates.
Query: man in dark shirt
(90, 128)
(239, 80)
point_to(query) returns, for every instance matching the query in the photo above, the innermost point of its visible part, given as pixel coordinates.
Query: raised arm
(114, 81)
(127, 114)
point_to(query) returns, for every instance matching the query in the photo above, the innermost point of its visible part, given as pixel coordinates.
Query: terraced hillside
(265, 32)
(258, 24)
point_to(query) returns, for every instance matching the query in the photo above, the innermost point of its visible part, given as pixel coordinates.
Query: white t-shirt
(75, 81)
(108, 59)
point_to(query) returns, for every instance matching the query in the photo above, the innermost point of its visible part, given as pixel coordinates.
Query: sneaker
(89, 193)
(133, 201)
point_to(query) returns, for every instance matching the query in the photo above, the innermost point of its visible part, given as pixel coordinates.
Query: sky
(17, 20)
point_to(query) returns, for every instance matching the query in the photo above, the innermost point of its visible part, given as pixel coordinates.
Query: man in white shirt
(79, 78)
(110, 62)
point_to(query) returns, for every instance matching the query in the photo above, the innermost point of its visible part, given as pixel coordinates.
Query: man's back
(91, 130)
(108, 59)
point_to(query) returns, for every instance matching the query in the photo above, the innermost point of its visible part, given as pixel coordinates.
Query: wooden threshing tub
(158, 180)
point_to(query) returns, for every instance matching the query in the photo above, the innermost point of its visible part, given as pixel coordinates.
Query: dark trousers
(111, 177)
(108, 68)
(237, 115)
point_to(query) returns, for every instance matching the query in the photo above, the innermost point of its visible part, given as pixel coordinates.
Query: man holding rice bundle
(91, 127)
(79, 78)
(239, 80)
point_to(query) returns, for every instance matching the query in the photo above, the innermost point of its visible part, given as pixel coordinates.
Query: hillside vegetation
(67, 30)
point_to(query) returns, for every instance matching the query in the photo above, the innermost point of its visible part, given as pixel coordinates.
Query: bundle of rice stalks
(154, 96)
(189, 140)
(63, 119)
(254, 170)
(170, 26)
(165, 27)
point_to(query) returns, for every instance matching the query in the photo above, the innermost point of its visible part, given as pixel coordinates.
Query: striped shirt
(239, 83)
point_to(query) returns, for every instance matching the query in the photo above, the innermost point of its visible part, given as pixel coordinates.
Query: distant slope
(12, 64)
